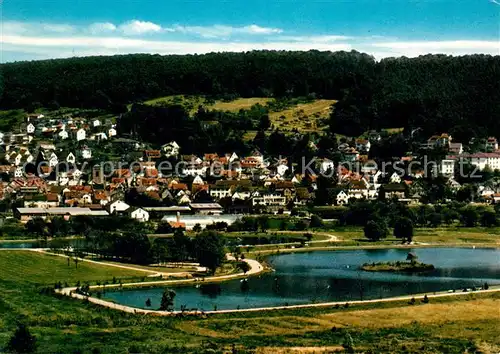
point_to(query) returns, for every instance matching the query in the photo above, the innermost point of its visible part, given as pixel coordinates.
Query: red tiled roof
(483, 155)
(210, 157)
(228, 173)
(151, 172)
(100, 196)
(177, 225)
(152, 153)
(52, 197)
(45, 169)
(122, 173)
(153, 195)
(179, 186)
(86, 189)
(147, 181)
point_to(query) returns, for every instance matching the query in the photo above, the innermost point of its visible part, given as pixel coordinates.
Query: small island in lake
(397, 267)
(412, 266)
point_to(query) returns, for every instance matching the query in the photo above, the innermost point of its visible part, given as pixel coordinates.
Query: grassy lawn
(43, 269)
(160, 269)
(458, 235)
(450, 235)
(445, 325)
(10, 119)
(352, 237)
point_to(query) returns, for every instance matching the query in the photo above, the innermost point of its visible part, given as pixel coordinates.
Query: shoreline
(256, 268)
(17, 240)
(137, 310)
(365, 247)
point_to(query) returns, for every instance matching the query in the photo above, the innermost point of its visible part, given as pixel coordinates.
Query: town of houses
(208, 187)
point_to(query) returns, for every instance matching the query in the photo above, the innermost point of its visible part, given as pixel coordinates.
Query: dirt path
(255, 268)
(152, 273)
(128, 309)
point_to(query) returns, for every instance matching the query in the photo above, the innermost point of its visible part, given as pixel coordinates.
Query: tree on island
(412, 257)
(403, 228)
(22, 341)
(167, 300)
(376, 230)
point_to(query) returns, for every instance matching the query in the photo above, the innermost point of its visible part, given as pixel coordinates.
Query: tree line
(436, 92)
(361, 212)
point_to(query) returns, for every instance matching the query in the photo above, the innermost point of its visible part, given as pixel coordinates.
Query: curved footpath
(152, 273)
(255, 268)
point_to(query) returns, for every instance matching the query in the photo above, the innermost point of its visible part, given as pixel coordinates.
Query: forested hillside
(437, 92)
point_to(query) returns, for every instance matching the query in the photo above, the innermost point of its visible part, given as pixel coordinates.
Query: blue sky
(35, 29)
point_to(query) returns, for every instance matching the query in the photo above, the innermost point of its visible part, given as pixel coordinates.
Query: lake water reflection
(321, 276)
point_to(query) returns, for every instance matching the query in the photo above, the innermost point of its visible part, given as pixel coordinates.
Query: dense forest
(437, 92)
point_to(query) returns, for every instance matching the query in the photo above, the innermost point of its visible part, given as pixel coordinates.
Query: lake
(323, 276)
(74, 242)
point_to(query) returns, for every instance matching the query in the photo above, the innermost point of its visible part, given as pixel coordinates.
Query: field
(353, 237)
(443, 326)
(43, 269)
(192, 102)
(434, 236)
(476, 235)
(240, 103)
(304, 117)
(11, 119)
(451, 325)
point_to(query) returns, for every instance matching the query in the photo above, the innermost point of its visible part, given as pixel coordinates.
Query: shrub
(22, 341)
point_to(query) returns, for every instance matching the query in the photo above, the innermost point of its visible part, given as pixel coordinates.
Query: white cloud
(101, 27)
(49, 40)
(84, 46)
(221, 31)
(136, 27)
(315, 39)
(56, 28)
(15, 27)
(416, 48)
(261, 30)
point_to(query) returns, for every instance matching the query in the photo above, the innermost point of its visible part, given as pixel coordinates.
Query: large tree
(167, 300)
(403, 228)
(209, 248)
(376, 229)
